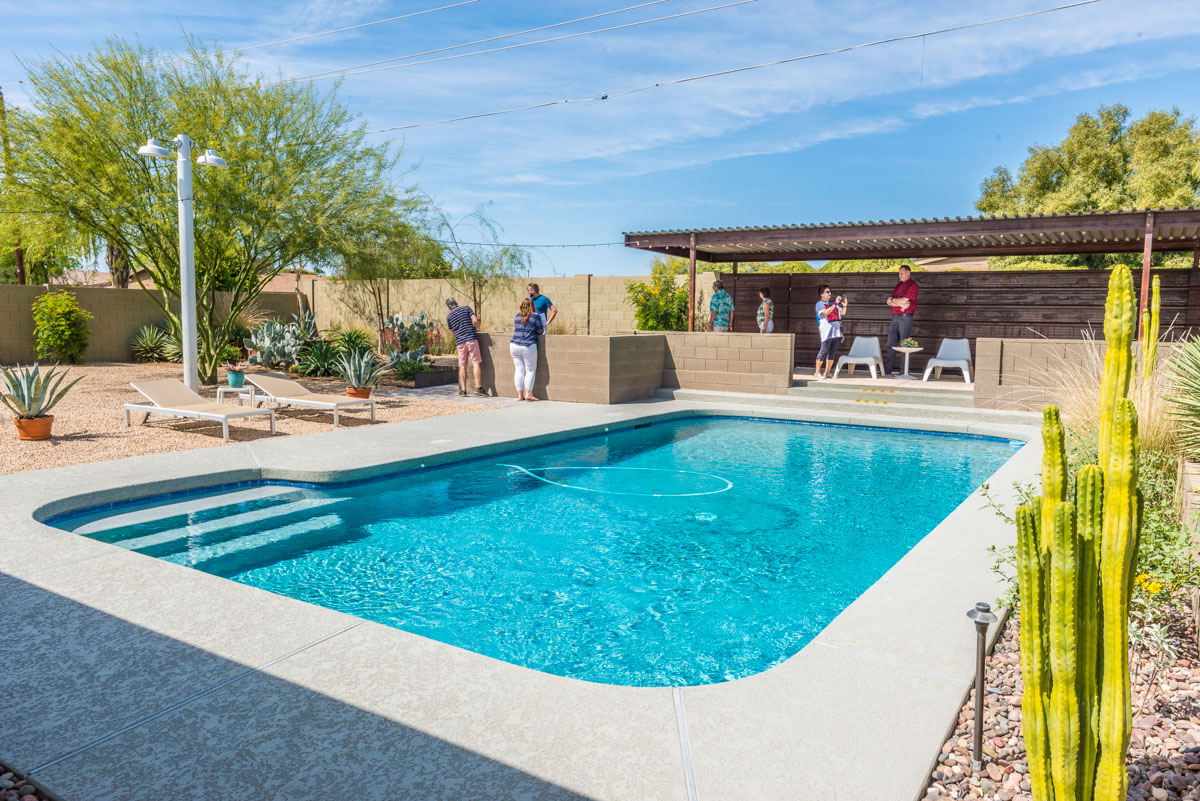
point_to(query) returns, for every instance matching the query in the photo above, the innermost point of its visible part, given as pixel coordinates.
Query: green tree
(480, 264)
(675, 265)
(868, 265)
(1107, 161)
(300, 181)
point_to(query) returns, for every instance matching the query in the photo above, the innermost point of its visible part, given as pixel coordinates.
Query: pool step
(854, 392)
(256, 541)
(818, 404)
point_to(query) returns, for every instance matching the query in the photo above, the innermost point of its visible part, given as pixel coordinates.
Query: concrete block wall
(758, 363)
(587, 304)
(117, 314)
(580, 368)
(1015, 373)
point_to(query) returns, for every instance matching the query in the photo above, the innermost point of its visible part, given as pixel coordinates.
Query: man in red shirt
(903, 303)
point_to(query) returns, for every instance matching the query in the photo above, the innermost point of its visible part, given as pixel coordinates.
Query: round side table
(908, 352)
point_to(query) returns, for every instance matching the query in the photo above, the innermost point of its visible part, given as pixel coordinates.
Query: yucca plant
(361, 369)
(353, 340)
(29, 393)
(149, 344)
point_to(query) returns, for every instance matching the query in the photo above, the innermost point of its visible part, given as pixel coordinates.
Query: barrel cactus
(1075, 563)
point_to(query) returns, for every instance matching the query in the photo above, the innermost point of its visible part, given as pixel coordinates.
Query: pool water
(680, 553)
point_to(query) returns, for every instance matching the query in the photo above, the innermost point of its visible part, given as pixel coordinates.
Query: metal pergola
(1123, 231)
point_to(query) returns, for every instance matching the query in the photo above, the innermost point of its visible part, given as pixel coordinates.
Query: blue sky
(877, 133)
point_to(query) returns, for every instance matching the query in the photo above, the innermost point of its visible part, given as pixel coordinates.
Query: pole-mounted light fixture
(187, 243)
(983, 617)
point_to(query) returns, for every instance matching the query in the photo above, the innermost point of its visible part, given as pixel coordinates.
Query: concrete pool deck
(134, 678)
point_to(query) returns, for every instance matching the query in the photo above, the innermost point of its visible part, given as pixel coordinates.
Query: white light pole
(187, 243)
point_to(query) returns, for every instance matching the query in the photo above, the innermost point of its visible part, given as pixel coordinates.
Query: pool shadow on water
(74, 675)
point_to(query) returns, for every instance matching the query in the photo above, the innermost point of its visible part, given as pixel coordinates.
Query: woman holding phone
(830, 312)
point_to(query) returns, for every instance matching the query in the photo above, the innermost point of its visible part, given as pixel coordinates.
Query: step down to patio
(841, 390)
(815, 402)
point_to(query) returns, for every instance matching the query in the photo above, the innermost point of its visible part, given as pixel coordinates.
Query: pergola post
(1196, 259)
(1147, 248)
(735, 266)
(692, 284)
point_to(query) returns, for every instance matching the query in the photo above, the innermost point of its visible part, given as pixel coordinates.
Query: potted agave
(235, 373)
(31, 395)
(361, 370)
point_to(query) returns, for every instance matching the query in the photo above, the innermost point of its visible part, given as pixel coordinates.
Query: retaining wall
(758, 363)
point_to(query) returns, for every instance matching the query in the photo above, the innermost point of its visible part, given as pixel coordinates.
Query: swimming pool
(679, 553)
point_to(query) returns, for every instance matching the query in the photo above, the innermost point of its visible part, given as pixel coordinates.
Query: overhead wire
(352, 71)
(734, 70)
(485, 41)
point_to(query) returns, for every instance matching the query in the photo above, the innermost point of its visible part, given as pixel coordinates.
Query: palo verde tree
(301, 182)
(479, 263)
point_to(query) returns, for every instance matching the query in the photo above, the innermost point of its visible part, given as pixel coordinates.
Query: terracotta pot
(33, 428)
(358, 392)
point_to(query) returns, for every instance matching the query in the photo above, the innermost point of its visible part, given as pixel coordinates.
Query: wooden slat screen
(1058, 304)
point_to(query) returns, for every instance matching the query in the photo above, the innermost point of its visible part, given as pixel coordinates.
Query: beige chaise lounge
(169, 396)
(286, 392)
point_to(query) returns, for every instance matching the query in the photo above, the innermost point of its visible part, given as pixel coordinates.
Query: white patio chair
(951, 353)
(169, 396)
(864, 351)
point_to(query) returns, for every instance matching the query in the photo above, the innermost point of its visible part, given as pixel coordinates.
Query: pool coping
(794, 731)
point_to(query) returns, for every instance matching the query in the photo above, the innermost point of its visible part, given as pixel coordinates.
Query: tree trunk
(118, 266)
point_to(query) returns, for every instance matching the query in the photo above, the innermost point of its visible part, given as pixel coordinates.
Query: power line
(345, 72)
(484, 41)
(720, 73)
(306, 36)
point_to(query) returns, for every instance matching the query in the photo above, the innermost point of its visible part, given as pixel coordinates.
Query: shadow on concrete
(74, 675)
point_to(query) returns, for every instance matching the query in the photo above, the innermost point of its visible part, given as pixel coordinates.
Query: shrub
(60, 326)
(353, 340)
(149, 344)
(319, 359)
(659, 304)
(407, 369)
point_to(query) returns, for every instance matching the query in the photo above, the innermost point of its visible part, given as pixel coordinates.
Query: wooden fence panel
(1056, 304)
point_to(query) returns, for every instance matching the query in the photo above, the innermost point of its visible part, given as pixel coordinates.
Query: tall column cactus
(1074, 564)
(1150, 328)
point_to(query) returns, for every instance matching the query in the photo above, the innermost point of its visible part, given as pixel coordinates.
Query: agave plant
(319, 359)
(307, 325)
(353, 340)
(361, 369)
(30, 394)
(149, 344)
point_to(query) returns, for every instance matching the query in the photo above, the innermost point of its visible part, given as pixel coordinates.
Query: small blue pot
(236, 380)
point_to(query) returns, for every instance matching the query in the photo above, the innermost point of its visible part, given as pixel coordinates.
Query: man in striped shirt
(463, 322)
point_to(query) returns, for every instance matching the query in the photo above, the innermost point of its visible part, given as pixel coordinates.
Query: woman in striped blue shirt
(527, 327)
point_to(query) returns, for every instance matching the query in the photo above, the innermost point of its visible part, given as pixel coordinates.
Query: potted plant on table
(235, 373)
(362, 370)
(31, 395)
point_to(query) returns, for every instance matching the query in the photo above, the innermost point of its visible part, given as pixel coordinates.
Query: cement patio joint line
(891, 662)
(186, 701)
(688, 775)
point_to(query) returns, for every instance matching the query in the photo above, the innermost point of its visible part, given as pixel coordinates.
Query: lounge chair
(864, 351)
(169, 396)
(951, 353)
(286, 392)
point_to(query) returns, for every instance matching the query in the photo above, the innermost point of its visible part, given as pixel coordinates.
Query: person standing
(720, 309)
(542, 305)
(527, 327)
(766, 311)
(903, 303)
(830, 312)
(465, 325)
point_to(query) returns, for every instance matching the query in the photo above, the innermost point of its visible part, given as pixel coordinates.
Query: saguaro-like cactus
(1075, 564)
(1150, 327)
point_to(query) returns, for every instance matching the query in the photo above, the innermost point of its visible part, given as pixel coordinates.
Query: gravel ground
(88, 423)
(1164, 753)
(12, 788)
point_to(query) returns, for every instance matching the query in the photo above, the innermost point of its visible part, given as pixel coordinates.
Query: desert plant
(353, 340)
(319, 359)
(1074, 564)
(149, 344)
(396, 335)
(909, 343)
(406, 364)
(1150, 332)
(306, 324)
(30, 394)
(276, 343)
(60, 326)
(361, 369)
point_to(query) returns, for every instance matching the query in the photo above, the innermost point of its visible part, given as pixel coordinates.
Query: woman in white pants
(527, 327)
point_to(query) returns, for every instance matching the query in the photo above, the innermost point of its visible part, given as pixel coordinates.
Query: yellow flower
(1141, 578)
(1154, 587)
